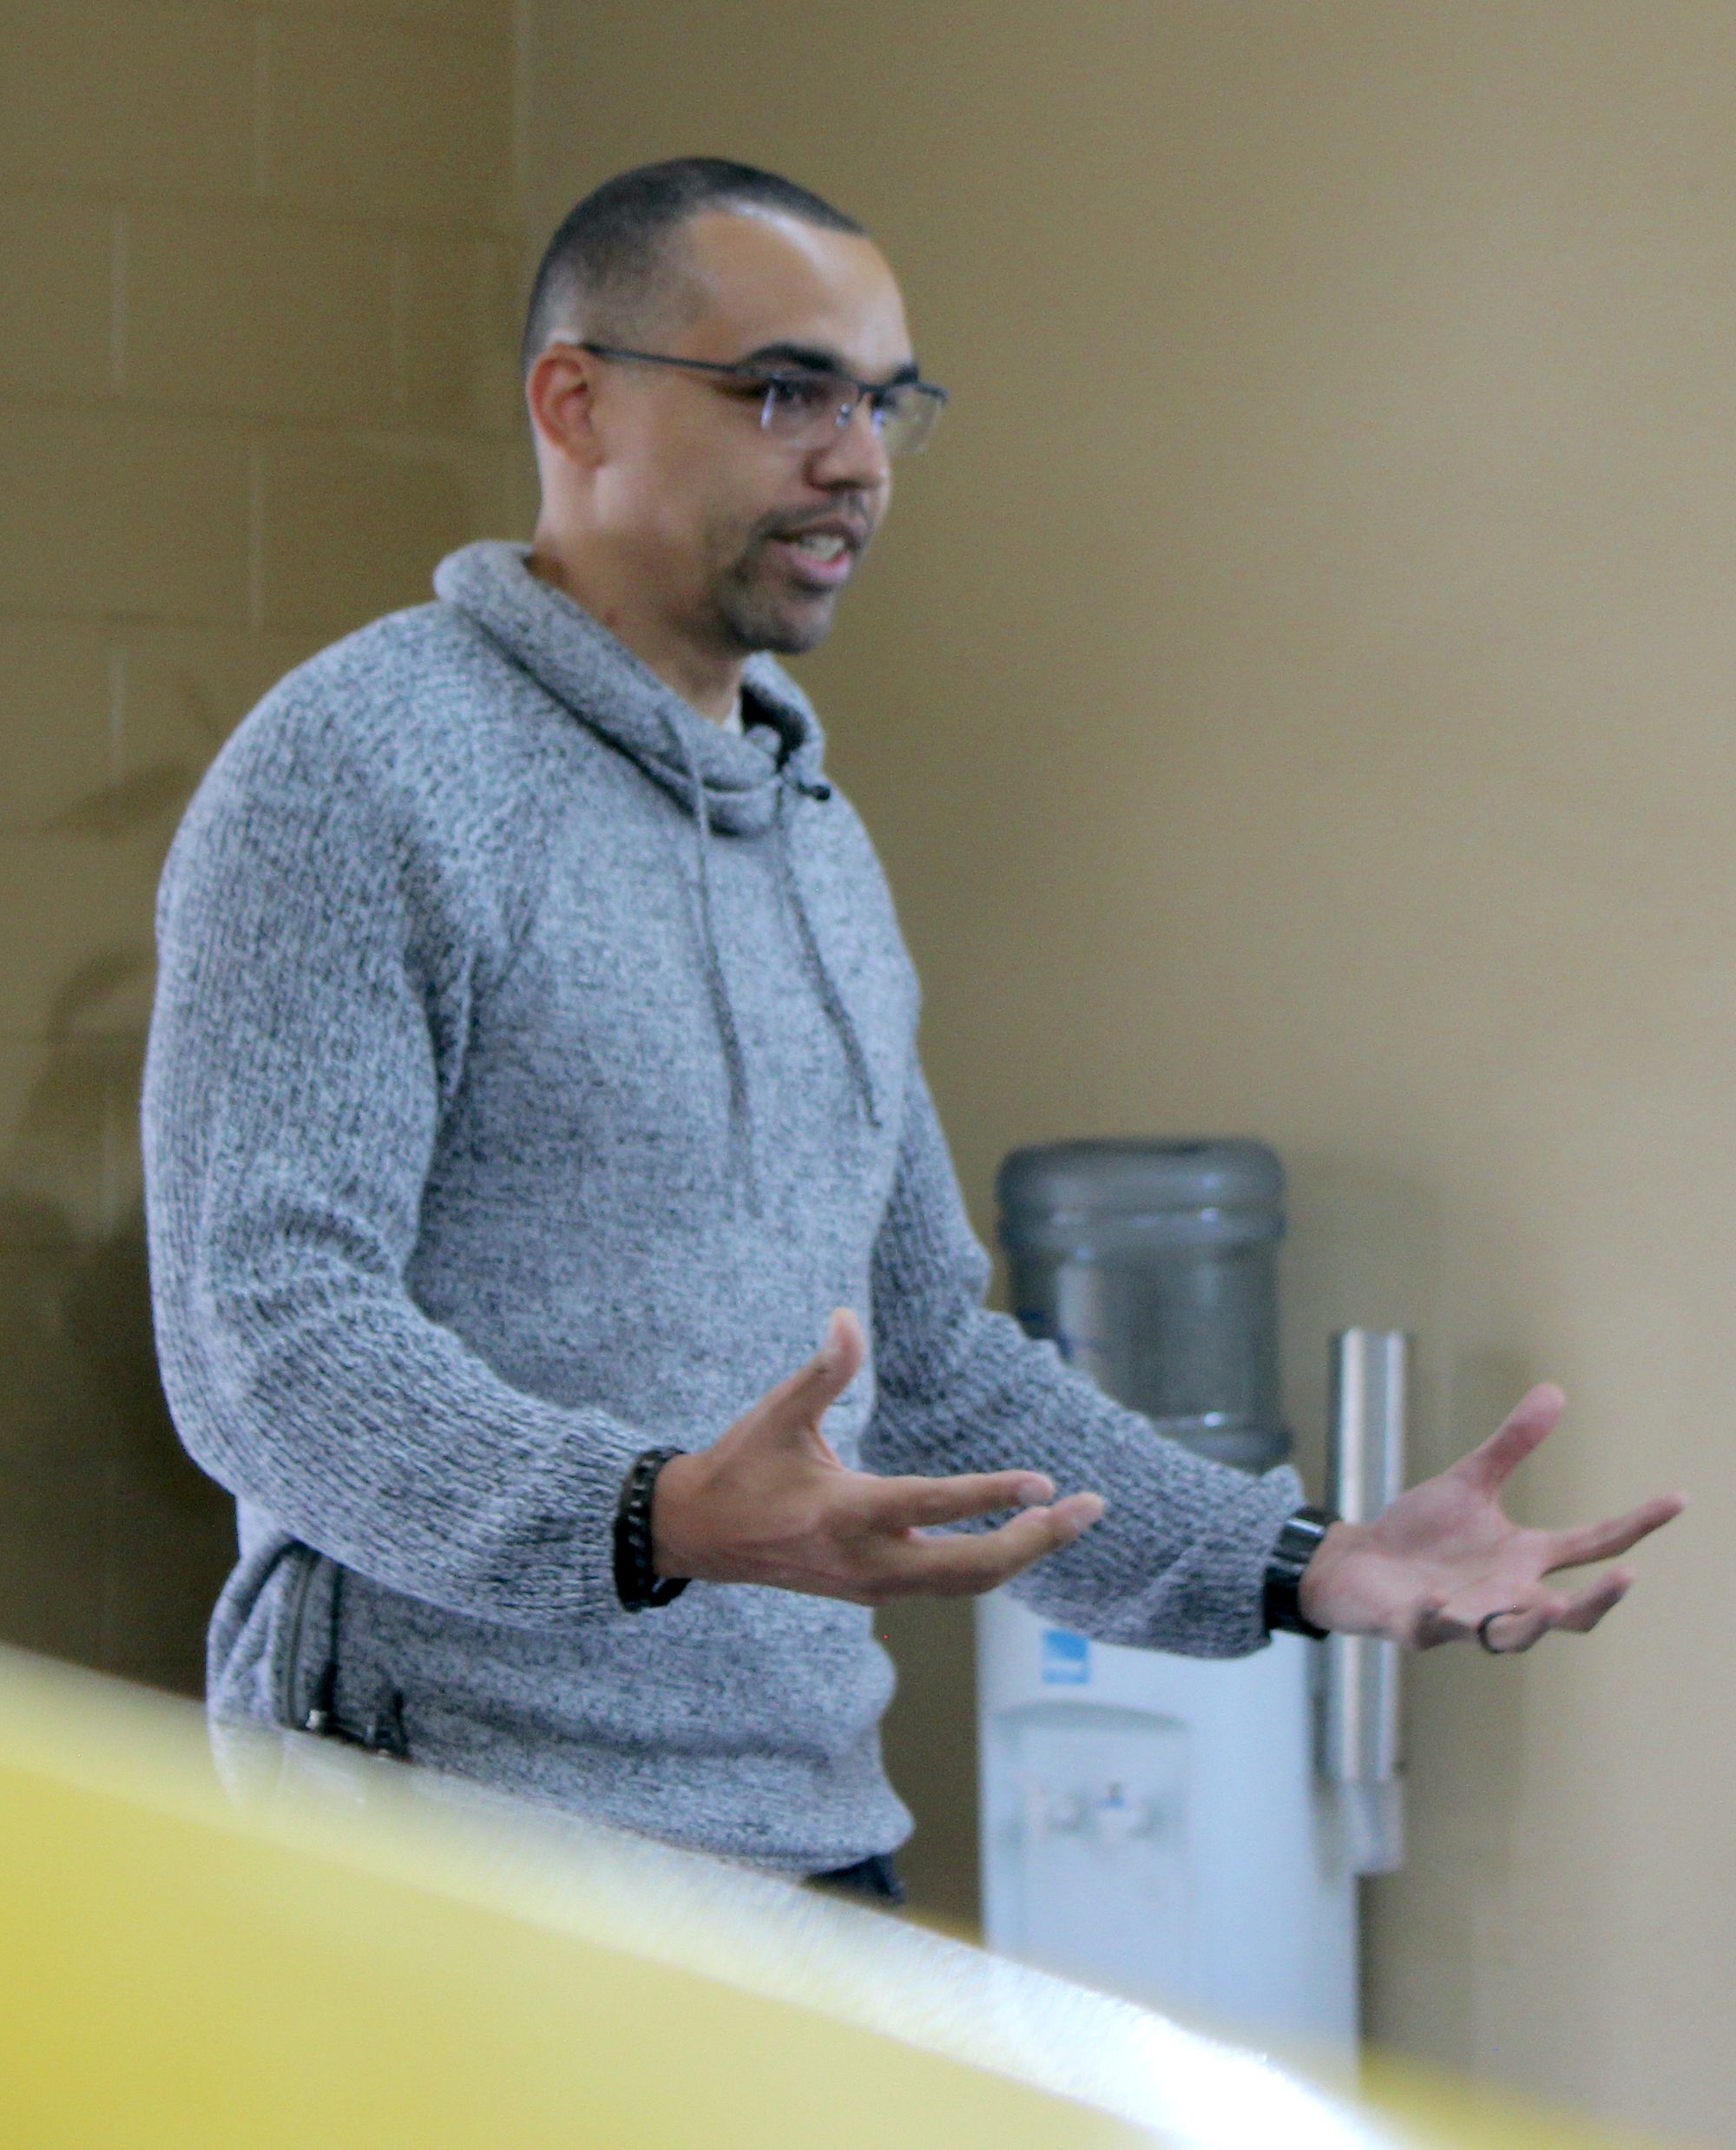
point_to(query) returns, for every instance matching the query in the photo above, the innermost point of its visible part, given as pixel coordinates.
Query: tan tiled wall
(258, 281)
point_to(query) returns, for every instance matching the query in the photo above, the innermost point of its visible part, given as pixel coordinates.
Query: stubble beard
(755, 612)
(753, 619)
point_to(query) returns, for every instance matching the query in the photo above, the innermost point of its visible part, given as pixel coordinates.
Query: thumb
(794, 1407)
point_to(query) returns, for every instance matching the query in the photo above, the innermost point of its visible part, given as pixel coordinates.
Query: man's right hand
(770, 1502)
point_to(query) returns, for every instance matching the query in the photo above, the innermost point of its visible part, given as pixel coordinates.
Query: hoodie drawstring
(830, 999)
(734, 1061)
(729, 1034)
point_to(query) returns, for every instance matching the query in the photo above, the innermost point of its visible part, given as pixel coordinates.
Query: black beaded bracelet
(1298, 1542)
(636, 1582)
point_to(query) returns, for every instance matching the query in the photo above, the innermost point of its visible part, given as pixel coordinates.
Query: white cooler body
(1157, 1827)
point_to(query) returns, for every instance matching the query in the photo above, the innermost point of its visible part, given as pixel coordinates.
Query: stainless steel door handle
(1359, 1726)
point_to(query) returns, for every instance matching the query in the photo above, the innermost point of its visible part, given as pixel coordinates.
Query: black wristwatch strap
(1298, 1542)
(636, 1582)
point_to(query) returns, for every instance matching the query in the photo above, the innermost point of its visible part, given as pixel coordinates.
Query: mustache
(854, 524)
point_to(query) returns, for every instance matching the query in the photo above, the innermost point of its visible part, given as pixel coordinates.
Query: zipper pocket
(302, 1591)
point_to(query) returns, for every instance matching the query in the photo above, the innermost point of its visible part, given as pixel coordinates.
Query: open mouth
(819, 559)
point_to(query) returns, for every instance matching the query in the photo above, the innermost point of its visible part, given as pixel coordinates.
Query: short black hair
(611, 250)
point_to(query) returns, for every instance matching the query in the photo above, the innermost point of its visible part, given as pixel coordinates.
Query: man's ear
(560, 392)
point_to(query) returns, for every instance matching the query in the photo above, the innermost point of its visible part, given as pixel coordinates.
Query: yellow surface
(174, 1975)
(360, 1954)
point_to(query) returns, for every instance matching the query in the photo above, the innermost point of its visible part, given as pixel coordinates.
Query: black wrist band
(1282, 1600)
(636, 1582)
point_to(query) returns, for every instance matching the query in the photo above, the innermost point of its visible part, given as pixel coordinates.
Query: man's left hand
(1445, 1561)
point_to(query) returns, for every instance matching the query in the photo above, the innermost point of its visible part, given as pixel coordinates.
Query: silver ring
(1488, 1621)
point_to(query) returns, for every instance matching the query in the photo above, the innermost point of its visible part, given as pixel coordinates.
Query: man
(533, 1080)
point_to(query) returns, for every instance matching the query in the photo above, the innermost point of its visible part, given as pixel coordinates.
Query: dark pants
(876, 1878)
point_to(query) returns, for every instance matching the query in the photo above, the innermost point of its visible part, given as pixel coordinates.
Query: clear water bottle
(1153, 1267)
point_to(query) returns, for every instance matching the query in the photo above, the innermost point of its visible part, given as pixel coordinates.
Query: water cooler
(1188, 1832)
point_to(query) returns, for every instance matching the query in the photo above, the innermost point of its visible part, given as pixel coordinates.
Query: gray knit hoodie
(533, 1069)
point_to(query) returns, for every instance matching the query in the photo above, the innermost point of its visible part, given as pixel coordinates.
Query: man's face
(748, 539)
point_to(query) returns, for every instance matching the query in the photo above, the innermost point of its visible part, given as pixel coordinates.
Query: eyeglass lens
(811, 410)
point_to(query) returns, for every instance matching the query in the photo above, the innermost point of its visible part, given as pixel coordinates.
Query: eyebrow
(814, 358)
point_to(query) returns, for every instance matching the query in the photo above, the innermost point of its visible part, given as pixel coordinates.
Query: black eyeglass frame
(750, 373)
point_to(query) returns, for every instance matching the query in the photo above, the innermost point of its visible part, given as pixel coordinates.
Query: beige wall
(258, 278)
(1295, 696)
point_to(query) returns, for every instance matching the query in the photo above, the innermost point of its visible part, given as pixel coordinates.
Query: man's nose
(855, 455)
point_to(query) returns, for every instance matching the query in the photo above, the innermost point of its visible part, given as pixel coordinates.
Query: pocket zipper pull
(318, 1717)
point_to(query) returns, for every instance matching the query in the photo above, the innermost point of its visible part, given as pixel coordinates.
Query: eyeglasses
(810, 408)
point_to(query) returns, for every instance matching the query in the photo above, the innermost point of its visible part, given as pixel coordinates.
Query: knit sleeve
(1178, 1561)
(309, 1006)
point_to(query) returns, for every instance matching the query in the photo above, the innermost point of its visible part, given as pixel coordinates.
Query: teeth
(821, 545)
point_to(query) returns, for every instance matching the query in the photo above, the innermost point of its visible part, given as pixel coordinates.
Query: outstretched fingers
(798, 1402)
(1586, 1607)
(965, 1567)
(1509, 1632)
(1515, 1628)
(921, 1503)
(1524, 1429)
(1602, 1542)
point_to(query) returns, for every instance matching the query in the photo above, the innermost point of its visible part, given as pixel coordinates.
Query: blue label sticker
(1065, 1658)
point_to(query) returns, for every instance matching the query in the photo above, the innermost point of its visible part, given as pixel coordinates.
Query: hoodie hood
(734, 780)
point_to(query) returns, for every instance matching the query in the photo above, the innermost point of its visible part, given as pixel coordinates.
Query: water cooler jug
(1188, 1832)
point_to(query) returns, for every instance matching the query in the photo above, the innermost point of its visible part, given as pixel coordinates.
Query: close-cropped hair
(611, 258)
